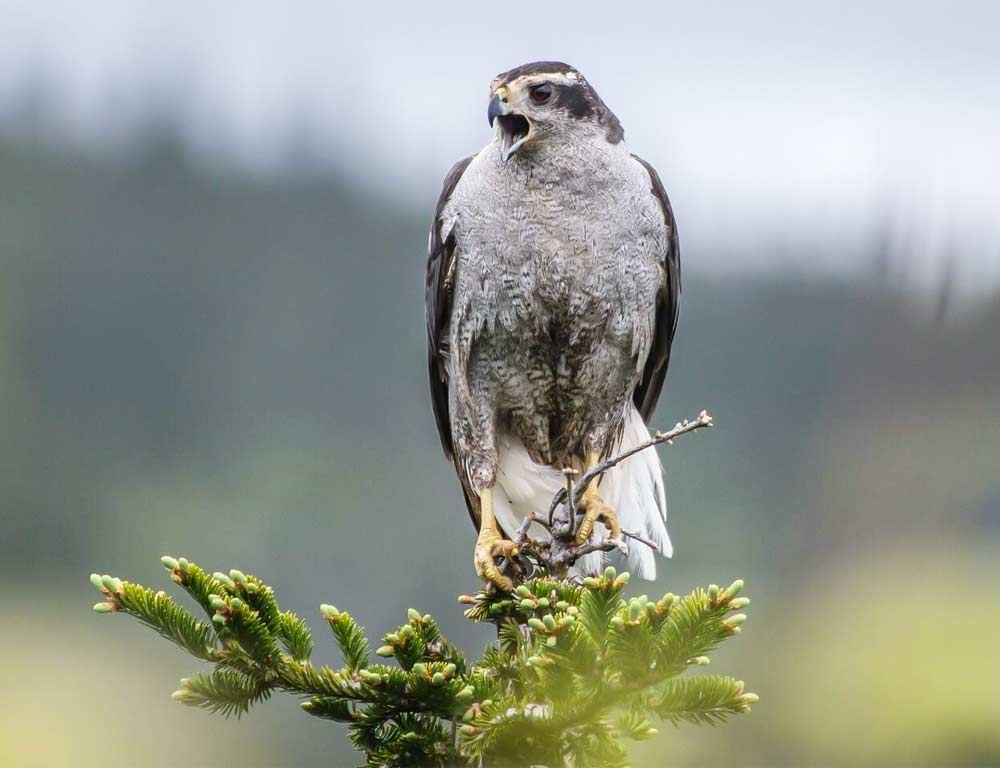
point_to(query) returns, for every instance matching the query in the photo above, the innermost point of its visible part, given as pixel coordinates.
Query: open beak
(512, 128)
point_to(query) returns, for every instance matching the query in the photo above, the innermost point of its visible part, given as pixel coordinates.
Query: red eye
(541, 93)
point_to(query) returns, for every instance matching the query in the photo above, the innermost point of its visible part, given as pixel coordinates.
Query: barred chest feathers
(557, 271)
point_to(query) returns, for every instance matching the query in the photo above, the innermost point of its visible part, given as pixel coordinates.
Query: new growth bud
(466, 693)
(223, 579)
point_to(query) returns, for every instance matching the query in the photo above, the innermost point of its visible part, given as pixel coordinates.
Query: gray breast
(556, 276)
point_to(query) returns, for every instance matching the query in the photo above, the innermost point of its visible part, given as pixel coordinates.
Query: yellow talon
(594, 509)
(491, 545)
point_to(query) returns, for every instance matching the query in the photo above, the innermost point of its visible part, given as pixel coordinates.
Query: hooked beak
(497, 109)
(512, 128)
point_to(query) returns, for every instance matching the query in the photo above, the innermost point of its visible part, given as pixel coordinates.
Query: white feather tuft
(634, 489)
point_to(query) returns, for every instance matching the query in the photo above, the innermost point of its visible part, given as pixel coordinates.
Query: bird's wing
(667, 304)
(437, 301)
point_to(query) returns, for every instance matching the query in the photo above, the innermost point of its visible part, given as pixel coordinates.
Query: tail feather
(634, 489)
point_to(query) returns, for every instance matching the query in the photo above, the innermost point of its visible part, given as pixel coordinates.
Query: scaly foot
(490, 546)
(594, 509)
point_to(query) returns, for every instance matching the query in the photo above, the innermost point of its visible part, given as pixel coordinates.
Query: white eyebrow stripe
(556, 78)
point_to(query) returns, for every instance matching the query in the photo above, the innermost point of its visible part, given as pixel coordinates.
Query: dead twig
(562, 550)
(569, 474)
(681, 428)
(641, 539)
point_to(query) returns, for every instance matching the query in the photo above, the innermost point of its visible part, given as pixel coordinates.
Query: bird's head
(545, 101)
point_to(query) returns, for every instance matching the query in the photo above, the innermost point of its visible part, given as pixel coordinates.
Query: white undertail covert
(634, 489)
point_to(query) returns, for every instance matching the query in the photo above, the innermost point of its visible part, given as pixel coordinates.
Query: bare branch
(562, 550)
(641, 539)
(567, 555)
(681, 428)
(569, 474)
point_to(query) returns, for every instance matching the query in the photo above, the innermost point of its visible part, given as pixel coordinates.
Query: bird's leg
(491, 545)
(594, 508)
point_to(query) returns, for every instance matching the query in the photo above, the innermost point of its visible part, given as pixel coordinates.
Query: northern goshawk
(552, 293)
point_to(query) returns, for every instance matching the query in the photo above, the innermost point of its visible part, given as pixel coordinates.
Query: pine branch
(709, 700)
(295, 636)
(159, 612)
(225, 691)
(576, 668)
(349, 636)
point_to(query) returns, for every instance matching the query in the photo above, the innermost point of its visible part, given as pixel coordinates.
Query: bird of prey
(553, 280)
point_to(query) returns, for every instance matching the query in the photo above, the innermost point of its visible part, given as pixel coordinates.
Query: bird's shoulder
(652, 186)
(451, 182)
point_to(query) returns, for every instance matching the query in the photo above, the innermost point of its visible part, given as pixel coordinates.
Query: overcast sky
(765, 119)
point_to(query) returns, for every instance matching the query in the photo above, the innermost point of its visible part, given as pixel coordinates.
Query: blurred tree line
(196, 358)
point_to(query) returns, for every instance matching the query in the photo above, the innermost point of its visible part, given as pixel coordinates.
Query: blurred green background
(205, 358)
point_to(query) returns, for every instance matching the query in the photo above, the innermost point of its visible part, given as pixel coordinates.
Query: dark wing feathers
(437, 302)
(667, 305)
